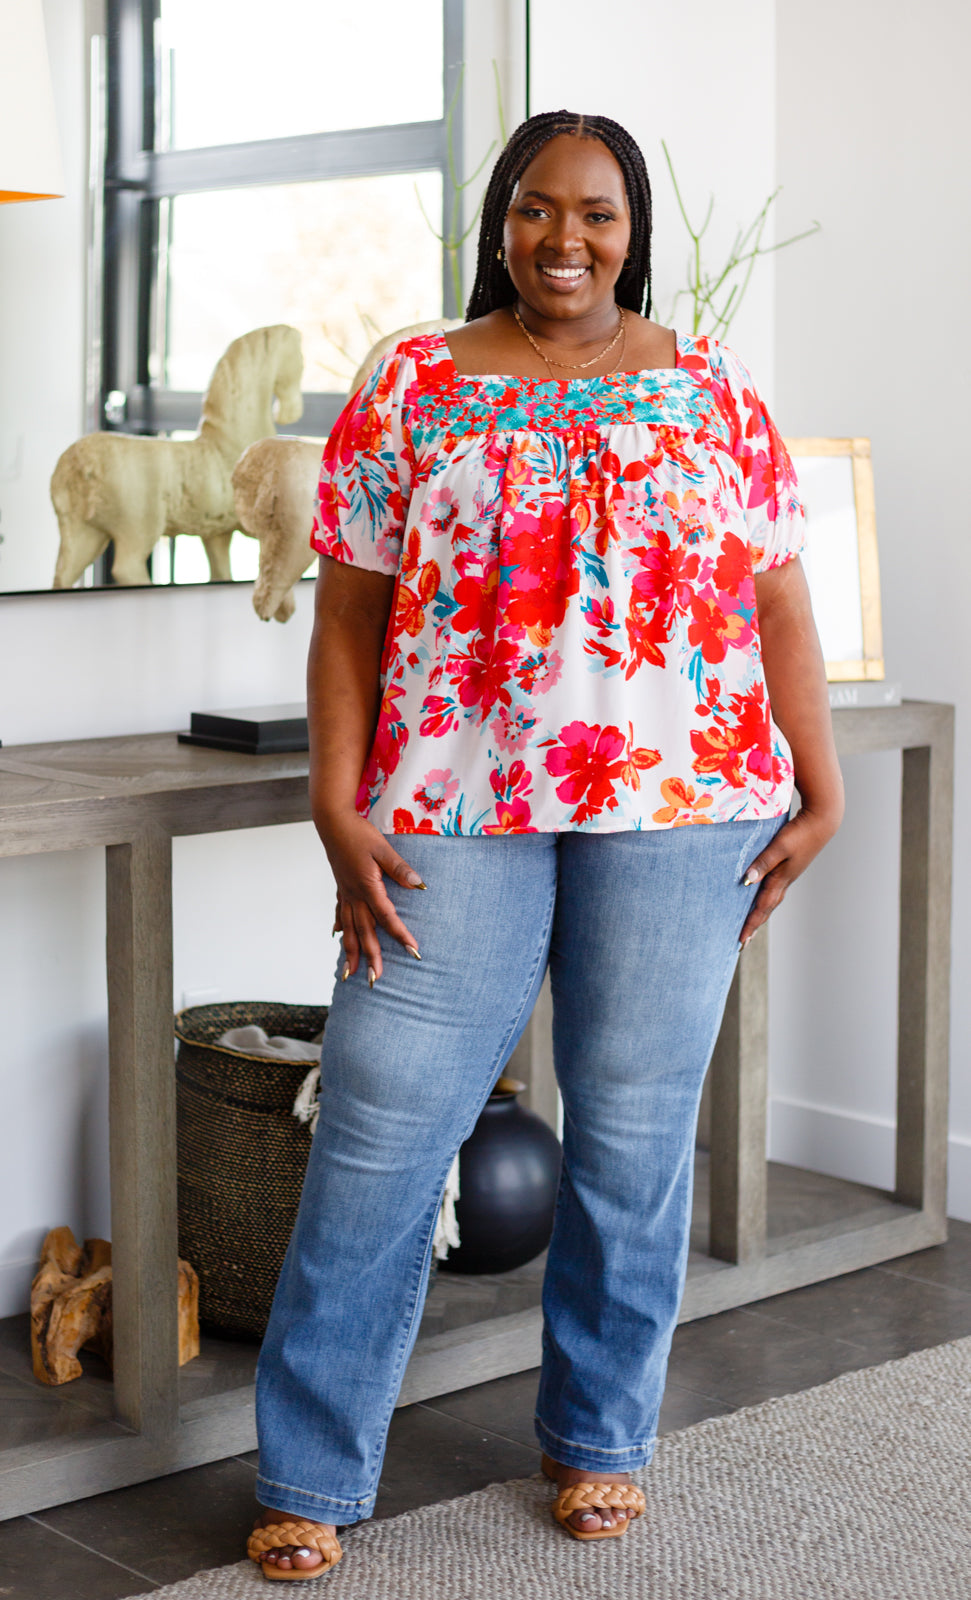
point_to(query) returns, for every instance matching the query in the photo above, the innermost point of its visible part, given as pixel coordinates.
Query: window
(269, 164)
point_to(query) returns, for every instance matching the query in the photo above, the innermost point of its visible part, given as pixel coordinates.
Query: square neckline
(508, 378)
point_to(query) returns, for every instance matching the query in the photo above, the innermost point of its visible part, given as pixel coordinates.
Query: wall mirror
(842, 567)
(229, 192)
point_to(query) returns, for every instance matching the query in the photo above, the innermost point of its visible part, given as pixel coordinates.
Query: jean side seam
(429, 1231)
(394, 1386)
(516, 1026)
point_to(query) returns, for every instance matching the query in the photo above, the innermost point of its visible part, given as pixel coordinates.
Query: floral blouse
(574, 641)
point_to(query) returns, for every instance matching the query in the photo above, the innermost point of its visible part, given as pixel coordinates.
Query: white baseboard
(15, 1280)
(845, 1144)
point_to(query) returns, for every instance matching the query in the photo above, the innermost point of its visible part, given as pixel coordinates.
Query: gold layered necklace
(579, 366)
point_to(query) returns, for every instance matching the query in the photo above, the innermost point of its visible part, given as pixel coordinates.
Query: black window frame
(138, 178)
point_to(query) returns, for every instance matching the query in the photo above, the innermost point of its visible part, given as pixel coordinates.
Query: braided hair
(493, 286)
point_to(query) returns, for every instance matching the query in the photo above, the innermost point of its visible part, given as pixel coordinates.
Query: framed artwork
(841, 562)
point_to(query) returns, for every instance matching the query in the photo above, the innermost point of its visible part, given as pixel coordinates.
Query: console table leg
(532, 1059)
(923, 995)
(142, 1133)
(739, 1089)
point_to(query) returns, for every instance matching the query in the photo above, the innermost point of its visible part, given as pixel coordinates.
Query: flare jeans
(640, 933)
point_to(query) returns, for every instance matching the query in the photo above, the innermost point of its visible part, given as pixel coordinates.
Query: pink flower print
(438, 716)
(511, 727)
(439, 511)
(690, 515)
(590, 762)
(437, 790)
(518, 780)
(540, 672)
(512, 816)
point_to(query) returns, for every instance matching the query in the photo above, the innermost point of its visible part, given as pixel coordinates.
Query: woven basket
(242, 1157)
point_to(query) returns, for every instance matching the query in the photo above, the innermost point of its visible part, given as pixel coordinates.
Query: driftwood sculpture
(115, 486)
(70, 1307)
(275, 482)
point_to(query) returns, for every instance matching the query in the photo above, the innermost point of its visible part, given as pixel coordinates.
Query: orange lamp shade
(30, 163)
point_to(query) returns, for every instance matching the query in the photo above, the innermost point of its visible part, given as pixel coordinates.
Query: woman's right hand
(359, 857)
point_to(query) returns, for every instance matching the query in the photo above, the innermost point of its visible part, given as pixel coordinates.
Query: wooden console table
(133, 795)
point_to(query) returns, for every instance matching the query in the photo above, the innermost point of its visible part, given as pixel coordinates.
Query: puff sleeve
(774, 514)
(365, 475)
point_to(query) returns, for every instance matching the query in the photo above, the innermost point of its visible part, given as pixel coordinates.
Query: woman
(559, 589)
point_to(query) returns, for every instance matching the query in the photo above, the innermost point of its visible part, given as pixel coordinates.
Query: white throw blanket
(253, 1041)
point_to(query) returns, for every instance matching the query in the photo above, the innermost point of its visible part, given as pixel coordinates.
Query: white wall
(702, 78)
(874, 139)
(254, 909)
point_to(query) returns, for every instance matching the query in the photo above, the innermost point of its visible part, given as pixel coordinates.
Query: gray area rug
(857, 1490)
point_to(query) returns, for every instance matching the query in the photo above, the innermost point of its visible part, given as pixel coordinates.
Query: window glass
(344, 261)
(246, 70)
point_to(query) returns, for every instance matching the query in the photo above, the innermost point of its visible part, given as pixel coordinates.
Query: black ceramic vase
(509, 1168)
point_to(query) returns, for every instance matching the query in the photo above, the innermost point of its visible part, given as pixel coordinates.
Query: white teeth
(564, 272)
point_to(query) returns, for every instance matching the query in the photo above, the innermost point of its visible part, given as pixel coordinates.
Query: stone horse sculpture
(134, 491)
(275, 484)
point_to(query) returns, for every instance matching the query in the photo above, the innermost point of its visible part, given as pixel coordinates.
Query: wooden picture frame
(842, 565)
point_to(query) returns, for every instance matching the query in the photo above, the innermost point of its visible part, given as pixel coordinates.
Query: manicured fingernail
(750, 877)
(413, 881)
(412, 951)
(420, 885)
(372, 977)
(346, 973)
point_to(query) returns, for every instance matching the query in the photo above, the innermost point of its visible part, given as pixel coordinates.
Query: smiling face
(567, 229)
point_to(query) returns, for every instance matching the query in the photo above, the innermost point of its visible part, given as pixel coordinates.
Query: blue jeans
(640, 932)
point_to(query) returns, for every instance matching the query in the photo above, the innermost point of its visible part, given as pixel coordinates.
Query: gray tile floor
(130, 1541)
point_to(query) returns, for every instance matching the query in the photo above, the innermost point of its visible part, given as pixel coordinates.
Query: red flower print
(482, 677)
(476, 601)
(518, 780)
(666, 576)
(734, 565)
(404, 822)
(645, 635)
(587, 761)
(544, 574)
(717, 750)
(439, 716)
(712, 629)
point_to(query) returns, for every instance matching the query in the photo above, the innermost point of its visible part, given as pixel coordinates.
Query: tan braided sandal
(598, 1497)
(308, 1535)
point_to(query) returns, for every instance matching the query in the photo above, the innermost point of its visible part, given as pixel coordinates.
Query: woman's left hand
(784, 860)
